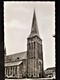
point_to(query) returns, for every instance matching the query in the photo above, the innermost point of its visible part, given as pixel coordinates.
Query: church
(28, 64)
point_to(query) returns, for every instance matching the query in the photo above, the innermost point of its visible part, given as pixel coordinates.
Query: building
(34, 51)
(50, 72)
(15, 65)
(30, 63)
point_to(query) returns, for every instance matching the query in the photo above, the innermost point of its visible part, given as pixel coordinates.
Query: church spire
(34, 28)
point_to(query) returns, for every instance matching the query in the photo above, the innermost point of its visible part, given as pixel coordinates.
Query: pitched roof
(16, 56)
(51, 68)
(13, 63)
(34, 28)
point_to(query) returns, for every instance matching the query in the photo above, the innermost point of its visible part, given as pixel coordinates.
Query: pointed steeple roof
(34, 28)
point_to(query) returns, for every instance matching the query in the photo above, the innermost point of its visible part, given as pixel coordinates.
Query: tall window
(29, 54)
(34, 45)
(16, 70)
(29, 66)
(29, 46)
(11, 70)
(39, 66)
(8, 71)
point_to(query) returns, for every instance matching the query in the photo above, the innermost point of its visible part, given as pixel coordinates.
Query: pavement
(31, 79)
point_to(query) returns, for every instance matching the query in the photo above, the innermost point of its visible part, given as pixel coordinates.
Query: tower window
(29, 45)
(34, 45)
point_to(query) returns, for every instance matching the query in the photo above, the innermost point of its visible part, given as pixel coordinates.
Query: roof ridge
(16, 53)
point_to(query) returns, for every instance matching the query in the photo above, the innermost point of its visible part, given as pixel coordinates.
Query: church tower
(34, 52)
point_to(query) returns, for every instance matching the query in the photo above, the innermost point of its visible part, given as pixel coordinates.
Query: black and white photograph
(29, 40)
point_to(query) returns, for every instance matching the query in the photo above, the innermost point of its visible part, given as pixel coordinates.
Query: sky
(18, 17)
